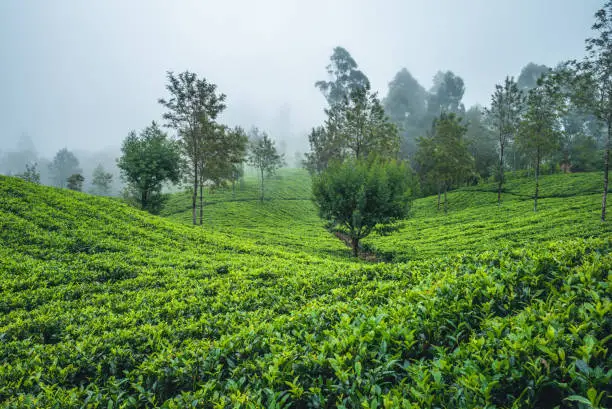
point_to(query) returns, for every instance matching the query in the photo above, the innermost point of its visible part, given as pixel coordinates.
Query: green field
(104, 306)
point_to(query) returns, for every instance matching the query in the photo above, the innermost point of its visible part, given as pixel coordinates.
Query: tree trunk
(355, 245)
(606, 169)
(537, 186)
(501, 173)
(201, 204)
(233, 188)
(439, 193)
(262, 185)
(445, 189)
(195, 195)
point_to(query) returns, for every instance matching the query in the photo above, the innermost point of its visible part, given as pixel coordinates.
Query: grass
(102, 305)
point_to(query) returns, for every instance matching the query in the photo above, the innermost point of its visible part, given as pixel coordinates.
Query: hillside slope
(105, 306)
(569, 208)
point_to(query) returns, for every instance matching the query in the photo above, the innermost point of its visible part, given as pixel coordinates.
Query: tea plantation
(104, 306)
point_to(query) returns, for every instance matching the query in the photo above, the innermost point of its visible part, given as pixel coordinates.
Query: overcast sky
(81, 74)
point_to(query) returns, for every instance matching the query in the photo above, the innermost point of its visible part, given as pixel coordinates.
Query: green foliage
(75, 182)
(359, 196)
(344, 77)
(356, 127)
(443, 159)
(567, 209)
(182, 317)
(539, 130)
(192, 110)
(592, 83)
(147, 161)
(507, 106)
(406, 105)
(64, 164)
(264, 157)
(287, 220)
(446, 95)
(31, 173)
(101, 181)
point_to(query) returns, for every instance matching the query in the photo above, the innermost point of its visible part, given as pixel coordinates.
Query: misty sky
(81, 74)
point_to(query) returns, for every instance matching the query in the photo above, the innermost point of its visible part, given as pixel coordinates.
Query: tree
(443, 157)
(31, 174)
(147, 161)
(481, 141)
(193, 107)
(75, 182)
(263, 156)
(594, 83)
(357, 127)
(64, 164)
(446, 94)
(101, 180)
(529, 76)
(406, 105)
(539, 130)
(344, 77)
(360, 196)
(221, 150)
(505, 113)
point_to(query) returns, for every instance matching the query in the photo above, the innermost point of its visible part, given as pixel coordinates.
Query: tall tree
(360, 196)
(148, 160)
(446, 95)
(101, 180)
(344, 77)
(481, 141)
(539, 130)
(221, 150)
(64, 164)
(505, 113)
(357, 127)
(193, 105)
(594, 83)
(406, 105)
(443, 156)
(264, 156)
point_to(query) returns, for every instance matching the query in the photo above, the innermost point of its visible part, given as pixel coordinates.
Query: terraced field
(104, 306)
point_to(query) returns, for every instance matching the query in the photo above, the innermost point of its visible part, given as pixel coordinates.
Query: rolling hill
(102, 305)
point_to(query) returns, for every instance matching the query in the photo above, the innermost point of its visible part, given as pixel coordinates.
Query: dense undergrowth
(105, 306)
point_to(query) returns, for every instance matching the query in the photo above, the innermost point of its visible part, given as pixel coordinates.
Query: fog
(82, 74)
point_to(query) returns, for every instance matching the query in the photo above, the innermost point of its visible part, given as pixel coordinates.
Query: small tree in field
(101, 180)
(505, 113)
(264, 157)
(31, 173)
(147, 161)
(361, 196)
(75, 182)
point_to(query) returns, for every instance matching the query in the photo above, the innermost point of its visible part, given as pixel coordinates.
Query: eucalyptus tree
(593, 84)
(540, 128)
(192, 108)
(357, 127)
(263, 156)
(507, 103)
(64, 164)
(344, 77)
